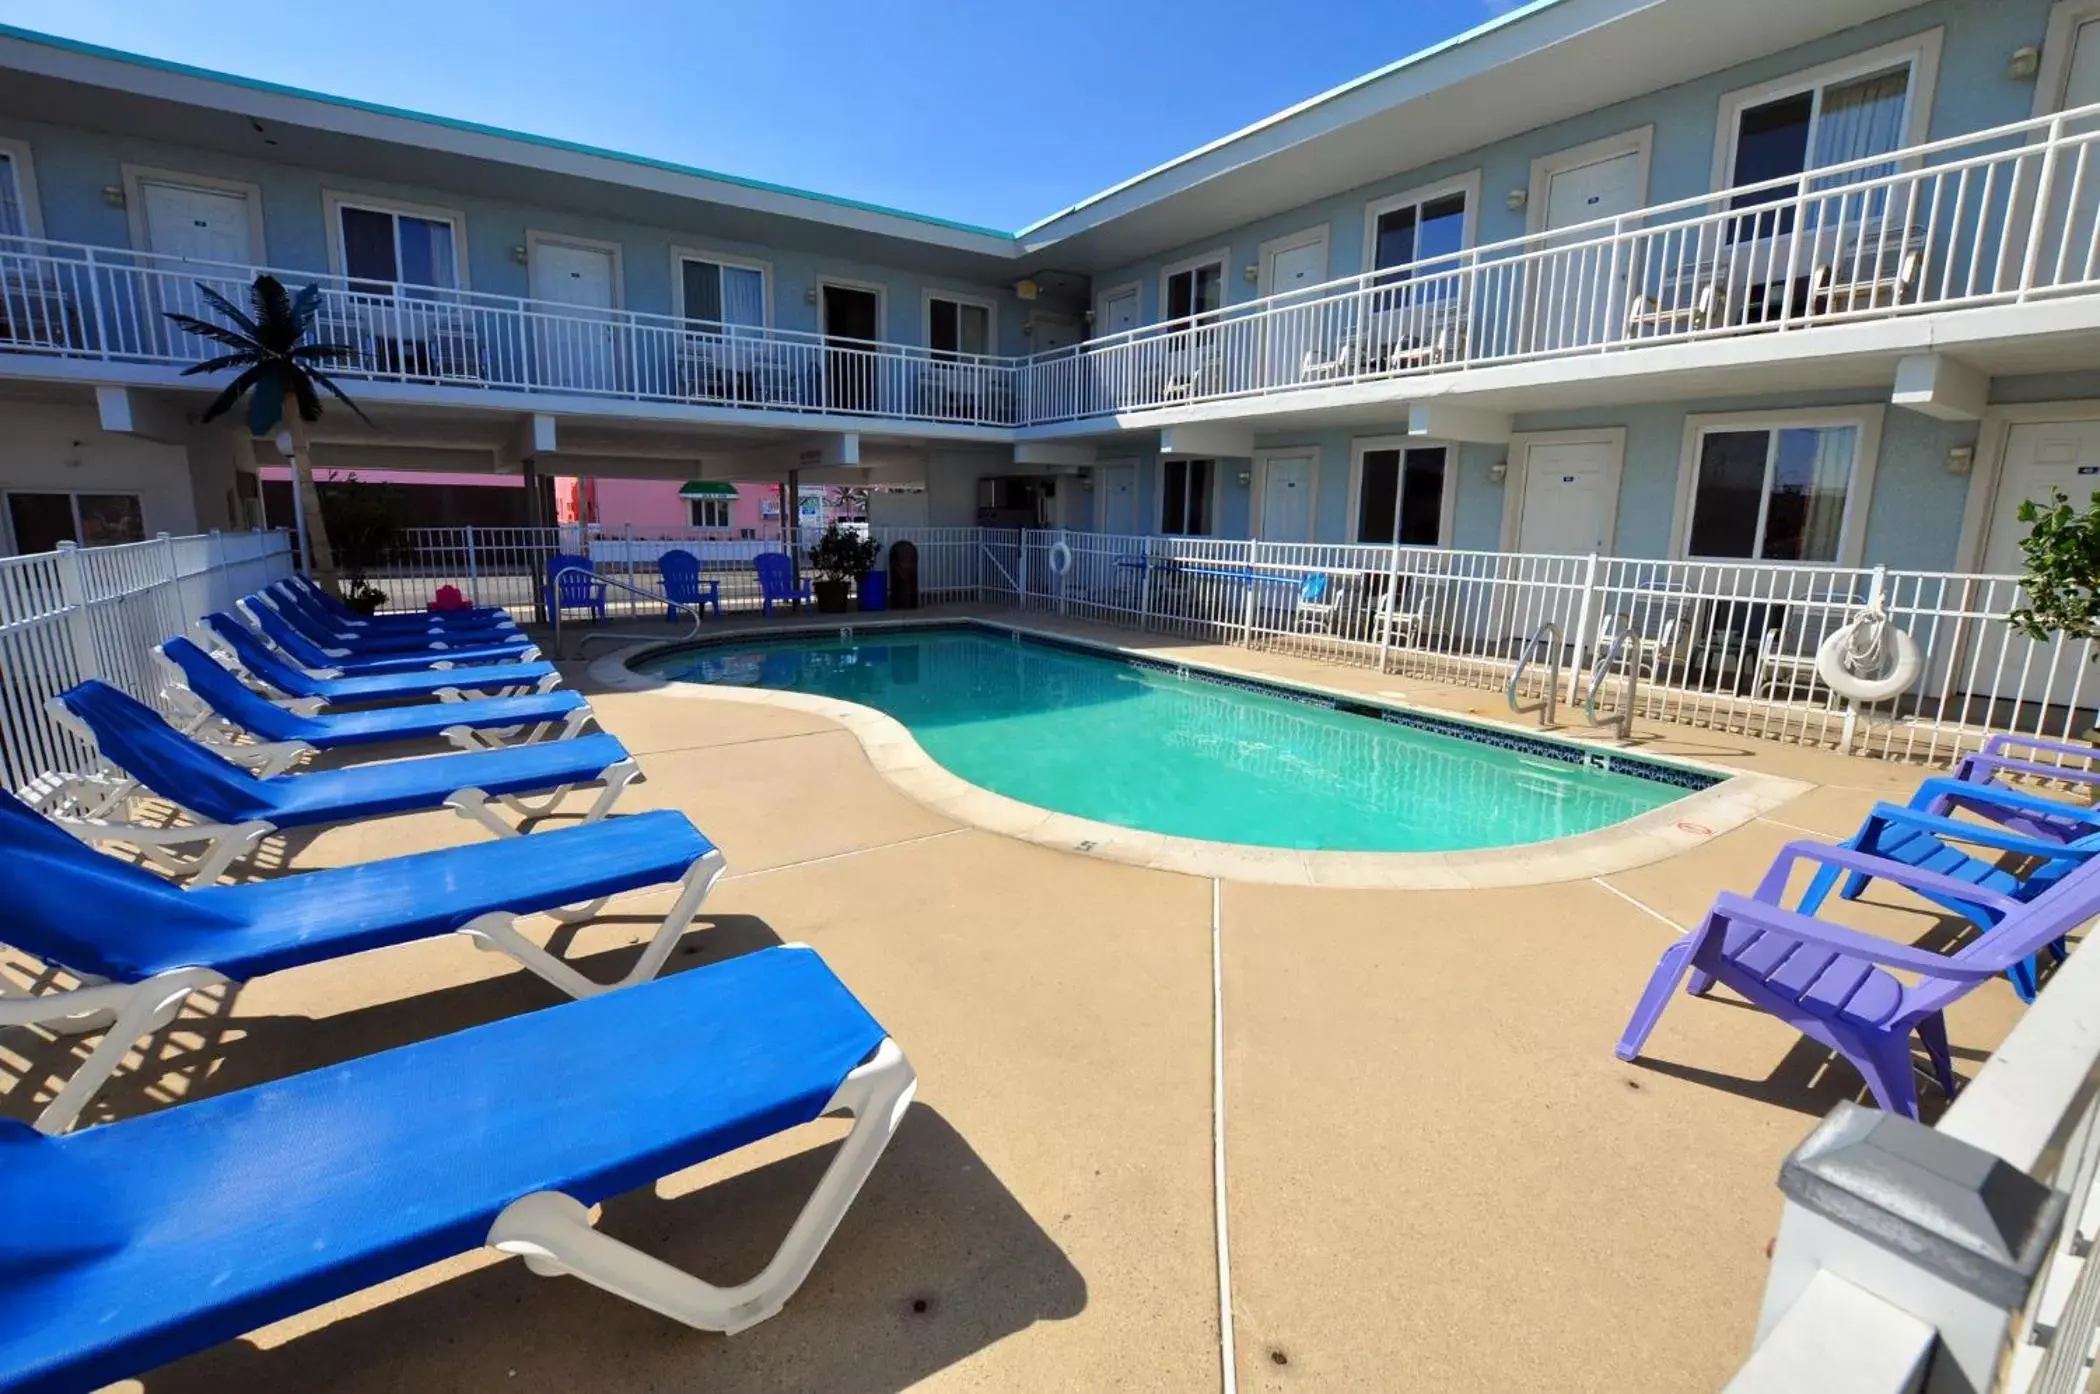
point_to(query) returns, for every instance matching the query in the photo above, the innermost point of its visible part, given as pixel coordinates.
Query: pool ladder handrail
(652, 596)
(1547, 630)
(1623, 625)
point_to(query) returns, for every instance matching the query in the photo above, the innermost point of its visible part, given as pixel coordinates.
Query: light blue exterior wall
(74, 166)
(1972, 93)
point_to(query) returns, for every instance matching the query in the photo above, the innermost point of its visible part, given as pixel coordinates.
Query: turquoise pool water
(1094, 736)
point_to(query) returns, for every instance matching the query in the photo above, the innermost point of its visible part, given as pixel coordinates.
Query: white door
(576, 342)
(1049, 332)
(1286, 499)
(1580, 300)
(2040, 456)
(1118, 313)
(197, 224)
(1568, 503)
(1294, 323)
(1117, 487)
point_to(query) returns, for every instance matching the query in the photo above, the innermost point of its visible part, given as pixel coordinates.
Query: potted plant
(364, 522)
(840, 558)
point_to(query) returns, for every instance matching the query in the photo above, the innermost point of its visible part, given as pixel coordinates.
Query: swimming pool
(1166, 750)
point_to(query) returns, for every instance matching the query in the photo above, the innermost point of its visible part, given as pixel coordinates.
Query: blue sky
(909, 103)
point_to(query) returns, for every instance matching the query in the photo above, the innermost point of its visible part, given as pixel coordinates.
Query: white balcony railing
(1998, 217)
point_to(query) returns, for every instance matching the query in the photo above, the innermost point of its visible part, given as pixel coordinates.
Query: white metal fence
(2001, 216)
(1728, 646)
(97, 612)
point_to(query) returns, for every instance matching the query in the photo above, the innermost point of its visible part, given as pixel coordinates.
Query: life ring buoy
(1060, 558)
(1868, 659)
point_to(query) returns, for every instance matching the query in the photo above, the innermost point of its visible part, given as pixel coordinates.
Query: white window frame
(1159, 496)
(726, 504)
(73, 496)
(882, 304)
(17, 152)
(1517, 477)
(991, 319)
(2065, 19)
(136, 177)
(1467, 183)
(1259, 487)
(1859, 493)
(536, 239)
(333, 202)
(1639, 142)
(1921, 50)
(1447, 511)
(1221, 257)
(1266, 254)
(681, 255)
(1114, 292)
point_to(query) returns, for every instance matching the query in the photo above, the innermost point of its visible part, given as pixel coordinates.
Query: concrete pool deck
(1438, 1176)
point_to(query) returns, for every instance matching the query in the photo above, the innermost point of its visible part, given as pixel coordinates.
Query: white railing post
(1247, 603)
(1145, 580)
(73, 595)
(1385, 608)
(1065, 577)
(473, 568)
(1877, 587)
(1585, 604)
(1021, 568)
(101, 323)
(2038, 219)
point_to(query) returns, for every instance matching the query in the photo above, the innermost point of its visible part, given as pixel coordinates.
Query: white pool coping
(1678, 826)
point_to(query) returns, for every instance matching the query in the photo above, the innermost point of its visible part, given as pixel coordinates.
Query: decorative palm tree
(280, 371)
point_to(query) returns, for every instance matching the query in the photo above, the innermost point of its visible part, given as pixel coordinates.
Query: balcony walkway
(1439, 1177)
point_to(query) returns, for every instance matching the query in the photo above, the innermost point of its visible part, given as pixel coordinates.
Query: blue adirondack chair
(573, 591)
(1839, 986)
(680, 570)
(776, 580)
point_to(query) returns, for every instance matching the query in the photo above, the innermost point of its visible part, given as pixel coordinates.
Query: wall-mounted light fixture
(1498, 471)
(2024, 63)
(113, 195)
(1026, 289)
(1961, 459)
(519, 255)
(1250, 274)
(1246, 477)
(1516, 199)
(809, 295)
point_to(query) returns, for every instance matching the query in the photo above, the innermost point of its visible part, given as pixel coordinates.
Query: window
(13, 222)
(1417, 231)
(722, 292)
(383, 249)
(1837, 114)
(1400, 496)
(1184, 497)
(955, 327)
(1194, 290)
(38, 522)
(1774, 494)
(707, 513)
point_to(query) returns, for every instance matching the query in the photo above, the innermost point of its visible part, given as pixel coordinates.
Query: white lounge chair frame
(210, 640)
(553, 1231)
(127, 1013)
(529, 653)
(87, 804)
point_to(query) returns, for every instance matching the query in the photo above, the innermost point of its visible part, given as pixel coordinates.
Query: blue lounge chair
(1838, 986)
(1913, 836)
(323, 634)
(439, 622)
(572, 584)
(473, 614)
(1995, 760)
(235, 808)
(141, 945)
(340, 663)
(680, 570)
(212, 705)
(776, 580)
(265, 667)
(140, 1241)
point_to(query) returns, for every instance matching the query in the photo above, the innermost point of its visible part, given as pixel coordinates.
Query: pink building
(710, 506)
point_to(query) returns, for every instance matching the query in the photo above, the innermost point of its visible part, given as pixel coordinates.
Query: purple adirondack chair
(1833, 984)
(1985, 765)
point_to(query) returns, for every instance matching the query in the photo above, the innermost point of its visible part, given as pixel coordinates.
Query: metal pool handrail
(1633, 677)
(1545, 630)
(554, 603)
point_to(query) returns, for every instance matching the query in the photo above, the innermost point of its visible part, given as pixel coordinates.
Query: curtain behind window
(1860, 119)
(743, 296)
(12, 223)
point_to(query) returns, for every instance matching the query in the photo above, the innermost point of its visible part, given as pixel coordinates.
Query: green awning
(706, 489)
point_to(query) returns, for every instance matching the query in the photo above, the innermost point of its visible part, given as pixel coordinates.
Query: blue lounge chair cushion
(258, 658)
(342, 619)
(142, 924)
(208, 1220)
(385, 640)
(259, 716)
(304, 650)
(133, 737)
(473, 614)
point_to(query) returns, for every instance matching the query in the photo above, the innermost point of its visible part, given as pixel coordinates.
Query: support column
(791, 528)
(536, 521)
